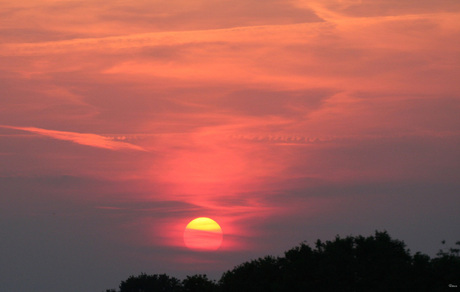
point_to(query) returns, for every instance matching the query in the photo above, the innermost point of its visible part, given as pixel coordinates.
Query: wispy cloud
(87, 139)
(239, 34)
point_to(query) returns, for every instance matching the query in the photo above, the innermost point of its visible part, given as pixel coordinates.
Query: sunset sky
(283, 121)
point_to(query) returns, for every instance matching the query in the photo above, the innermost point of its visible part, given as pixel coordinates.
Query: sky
(283, 121)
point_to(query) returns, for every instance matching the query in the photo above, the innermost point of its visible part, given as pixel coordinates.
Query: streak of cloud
(86, 139)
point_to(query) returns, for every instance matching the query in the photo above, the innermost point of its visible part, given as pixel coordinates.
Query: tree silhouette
(374, 263)
(258, 275)
(198, 283)
(299, 266)
(354, 263)
(446, 267)
(383, 264)
(151, 283)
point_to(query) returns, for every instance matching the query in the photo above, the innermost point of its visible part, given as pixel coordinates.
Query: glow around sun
(203, 234)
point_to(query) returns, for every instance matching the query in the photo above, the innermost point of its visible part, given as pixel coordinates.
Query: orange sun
(203, 234)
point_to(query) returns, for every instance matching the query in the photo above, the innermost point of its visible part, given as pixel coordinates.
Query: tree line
(354, 263)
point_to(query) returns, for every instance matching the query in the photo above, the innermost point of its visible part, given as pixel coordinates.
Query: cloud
(339, 10)
(82, 19)
(241, 34)
(87, 139)
(365, 8)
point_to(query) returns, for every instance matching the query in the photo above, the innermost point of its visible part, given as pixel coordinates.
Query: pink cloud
(86, 139)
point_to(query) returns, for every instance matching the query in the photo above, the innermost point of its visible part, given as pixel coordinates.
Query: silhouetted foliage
(354, 263)
(446, 267)
(258, 275)
(198, 283)
(375, 263)
(151, 283)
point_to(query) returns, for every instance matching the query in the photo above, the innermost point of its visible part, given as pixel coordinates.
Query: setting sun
(203, 234)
